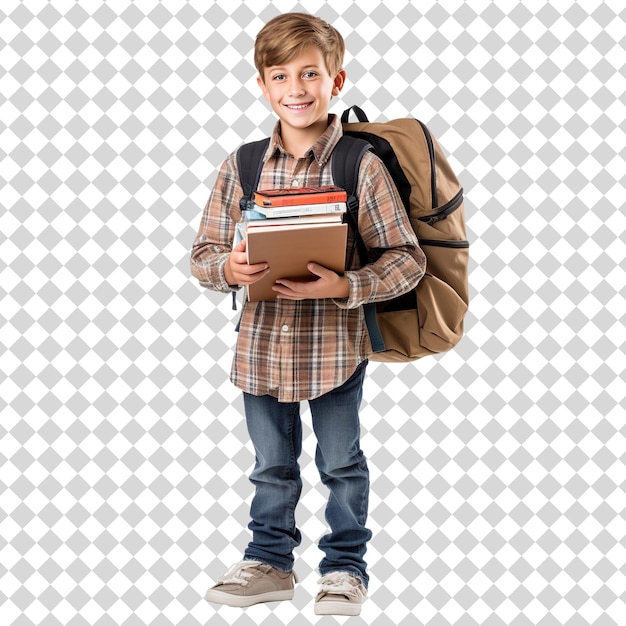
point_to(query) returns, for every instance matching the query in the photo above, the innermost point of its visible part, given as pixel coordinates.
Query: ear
(261, 83)
(338, 83)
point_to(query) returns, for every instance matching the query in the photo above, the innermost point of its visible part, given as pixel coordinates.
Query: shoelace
(237, 574)
(340, 583)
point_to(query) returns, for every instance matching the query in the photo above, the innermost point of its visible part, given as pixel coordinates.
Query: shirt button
(285, 328)
(295, 182)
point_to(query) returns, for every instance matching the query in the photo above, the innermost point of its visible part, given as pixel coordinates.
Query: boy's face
(299, 91)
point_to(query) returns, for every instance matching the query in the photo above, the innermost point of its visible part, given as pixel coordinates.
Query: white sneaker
(340, 593)
(250, 582)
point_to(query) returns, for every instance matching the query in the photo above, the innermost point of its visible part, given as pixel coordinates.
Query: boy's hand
(328, 285)
(238, 272)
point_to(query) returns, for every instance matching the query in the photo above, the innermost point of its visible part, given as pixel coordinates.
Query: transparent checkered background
(497, 469)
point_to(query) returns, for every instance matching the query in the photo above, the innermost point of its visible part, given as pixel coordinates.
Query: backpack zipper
(433, 172)
(448, 208)
(446, 243)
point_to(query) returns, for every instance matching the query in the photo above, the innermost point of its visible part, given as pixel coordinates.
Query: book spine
(295, 199)
(303, 209)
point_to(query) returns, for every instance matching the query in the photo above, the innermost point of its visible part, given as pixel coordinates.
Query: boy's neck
(298, 141)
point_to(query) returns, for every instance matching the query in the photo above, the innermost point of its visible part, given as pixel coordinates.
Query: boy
(310, 343)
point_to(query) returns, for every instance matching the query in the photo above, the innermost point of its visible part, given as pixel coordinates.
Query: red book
(300, 195)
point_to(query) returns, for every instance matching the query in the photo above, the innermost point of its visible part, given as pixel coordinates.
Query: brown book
(288, 249)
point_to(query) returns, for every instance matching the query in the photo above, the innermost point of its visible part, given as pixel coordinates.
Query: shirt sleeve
(213, 242)
(398, 261)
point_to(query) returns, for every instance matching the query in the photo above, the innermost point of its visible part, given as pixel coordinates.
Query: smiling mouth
(298, 107)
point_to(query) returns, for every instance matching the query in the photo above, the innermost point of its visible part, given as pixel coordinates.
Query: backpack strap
(358, 111)
(250, 163)
(347, 156)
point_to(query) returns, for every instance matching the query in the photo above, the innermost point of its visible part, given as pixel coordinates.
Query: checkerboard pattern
(497, 469)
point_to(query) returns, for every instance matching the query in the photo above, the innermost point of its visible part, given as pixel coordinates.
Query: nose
(296, 87)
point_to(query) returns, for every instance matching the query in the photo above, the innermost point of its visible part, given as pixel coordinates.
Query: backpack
(428, 319)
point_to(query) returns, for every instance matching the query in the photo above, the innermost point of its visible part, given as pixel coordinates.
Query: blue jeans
(276, 433)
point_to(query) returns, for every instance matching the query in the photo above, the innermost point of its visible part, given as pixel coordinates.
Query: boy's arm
(386, 230)
(213, 261)
(213, 242)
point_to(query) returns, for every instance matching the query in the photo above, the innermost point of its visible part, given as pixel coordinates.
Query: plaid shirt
(299, 350)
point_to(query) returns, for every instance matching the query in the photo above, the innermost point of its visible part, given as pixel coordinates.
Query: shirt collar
(321, 149)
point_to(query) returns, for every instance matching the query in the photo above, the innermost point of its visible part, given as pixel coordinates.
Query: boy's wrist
(344, 288)
(349, 301)
(228, 275)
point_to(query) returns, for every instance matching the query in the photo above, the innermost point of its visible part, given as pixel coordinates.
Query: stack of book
(290, 228)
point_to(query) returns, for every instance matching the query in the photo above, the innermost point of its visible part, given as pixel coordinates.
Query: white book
(302, 209)
(301, 220)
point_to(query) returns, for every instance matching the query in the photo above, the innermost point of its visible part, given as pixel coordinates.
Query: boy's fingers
(247, 272)
(255, 269)
(321, 271)
(248, 279)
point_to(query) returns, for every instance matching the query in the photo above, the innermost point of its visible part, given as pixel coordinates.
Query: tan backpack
(429, 319)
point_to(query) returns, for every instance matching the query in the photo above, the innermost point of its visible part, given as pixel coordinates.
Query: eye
(310, 74)
(278, 77)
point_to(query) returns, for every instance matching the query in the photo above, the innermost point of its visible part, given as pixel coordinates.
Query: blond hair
(285, 36)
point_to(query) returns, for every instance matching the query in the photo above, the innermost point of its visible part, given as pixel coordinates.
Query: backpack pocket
(442, 294)
(401, 334)
(428, 319)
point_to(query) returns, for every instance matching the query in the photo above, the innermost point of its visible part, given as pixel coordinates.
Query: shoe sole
(219, 597)
(336, 608)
